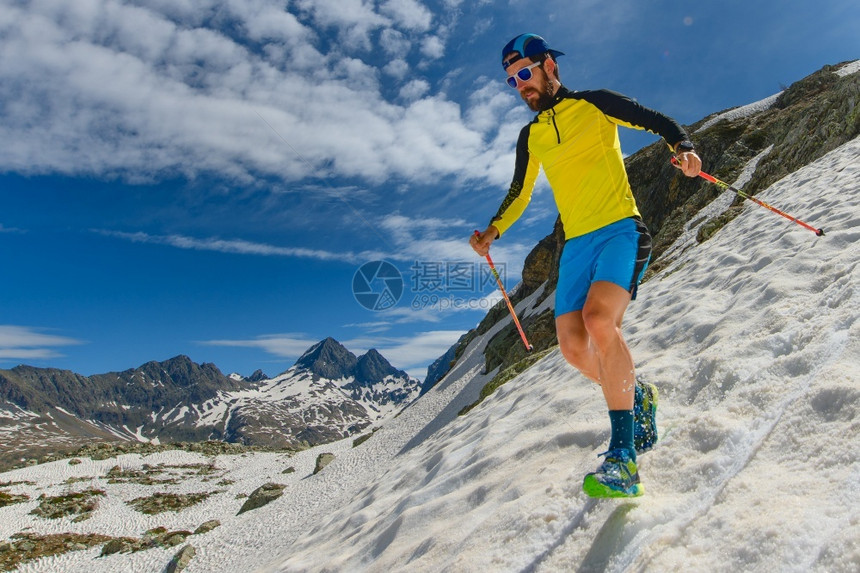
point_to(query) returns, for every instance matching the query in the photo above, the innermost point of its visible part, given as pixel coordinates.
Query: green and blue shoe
(617, 476)
(644, 417)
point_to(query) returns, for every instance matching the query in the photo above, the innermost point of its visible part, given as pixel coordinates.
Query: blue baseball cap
(526, 46)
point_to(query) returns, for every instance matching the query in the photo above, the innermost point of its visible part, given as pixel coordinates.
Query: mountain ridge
(326, 395)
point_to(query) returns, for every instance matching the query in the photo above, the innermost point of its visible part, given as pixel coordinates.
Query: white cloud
(282, 345)
(488, 102)
(353, 19)
(394, 43)
(240, 247)
(164, 88)
(430, 140)
(482, 26)
(408, 14)
(404, 228)
(358, 74)
(433, 47)
(403, 240)
(29, 343)
(414, 89)
(264, 20)
(396, 68)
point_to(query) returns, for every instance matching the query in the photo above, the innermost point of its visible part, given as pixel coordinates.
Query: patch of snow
(849, 68)
(176, 414)
(741, 112)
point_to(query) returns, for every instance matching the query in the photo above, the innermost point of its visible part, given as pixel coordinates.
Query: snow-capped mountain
(369, 380)
(327, 395)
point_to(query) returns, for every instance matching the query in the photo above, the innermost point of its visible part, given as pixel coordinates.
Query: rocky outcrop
(322, 461)
(441, 366)
(372, 368)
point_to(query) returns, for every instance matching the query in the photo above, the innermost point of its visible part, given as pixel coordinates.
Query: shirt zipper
(551, 119)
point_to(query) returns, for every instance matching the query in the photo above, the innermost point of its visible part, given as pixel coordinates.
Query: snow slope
(752, 339)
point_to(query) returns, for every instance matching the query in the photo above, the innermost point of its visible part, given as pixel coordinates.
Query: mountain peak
(372, 367)
(257, 376)
(328, 359)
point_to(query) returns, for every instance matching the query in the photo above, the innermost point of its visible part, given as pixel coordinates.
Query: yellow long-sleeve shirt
(576, 142)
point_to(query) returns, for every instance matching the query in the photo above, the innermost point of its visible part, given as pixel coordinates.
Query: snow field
(752, 340)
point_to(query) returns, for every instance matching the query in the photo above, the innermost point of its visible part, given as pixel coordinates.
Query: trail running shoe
(644, 417)
(617, 476)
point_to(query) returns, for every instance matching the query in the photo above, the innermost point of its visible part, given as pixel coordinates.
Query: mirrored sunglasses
(523, 75)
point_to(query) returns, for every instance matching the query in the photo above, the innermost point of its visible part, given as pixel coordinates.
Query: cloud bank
(152, 89)
(29, 343)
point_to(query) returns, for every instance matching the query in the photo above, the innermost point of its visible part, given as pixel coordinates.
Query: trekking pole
(529, 347)
(724, 185)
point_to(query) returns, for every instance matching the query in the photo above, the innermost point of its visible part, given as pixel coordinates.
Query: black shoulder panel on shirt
(629, 111)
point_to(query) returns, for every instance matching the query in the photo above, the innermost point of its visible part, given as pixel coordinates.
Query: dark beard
(544, 101)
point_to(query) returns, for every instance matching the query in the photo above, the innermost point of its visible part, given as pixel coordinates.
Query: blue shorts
(618, 253)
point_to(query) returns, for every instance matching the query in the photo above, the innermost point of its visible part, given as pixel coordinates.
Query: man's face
(537, 91)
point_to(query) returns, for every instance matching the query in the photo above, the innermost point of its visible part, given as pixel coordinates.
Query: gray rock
(181, 560)
(263, 495)
(322, 461)
(207, 527)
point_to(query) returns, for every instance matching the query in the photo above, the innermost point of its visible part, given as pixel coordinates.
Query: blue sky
(205, 177)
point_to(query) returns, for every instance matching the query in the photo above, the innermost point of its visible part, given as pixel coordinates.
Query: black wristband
(685, 145)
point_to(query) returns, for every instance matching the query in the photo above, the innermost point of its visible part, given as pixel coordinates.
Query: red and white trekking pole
(724, 185)
(529, 347)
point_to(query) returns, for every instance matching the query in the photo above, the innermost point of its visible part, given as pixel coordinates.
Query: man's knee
(601, 326)
(603, 312)
(574, 349)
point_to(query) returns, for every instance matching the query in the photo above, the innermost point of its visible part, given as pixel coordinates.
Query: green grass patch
(11, 498)
(504, 376)
(81, 503)
(161, 502)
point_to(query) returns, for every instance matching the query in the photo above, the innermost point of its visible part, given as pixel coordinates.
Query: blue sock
(622, 431)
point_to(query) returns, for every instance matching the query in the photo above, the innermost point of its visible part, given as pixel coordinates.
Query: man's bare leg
(591, 341)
